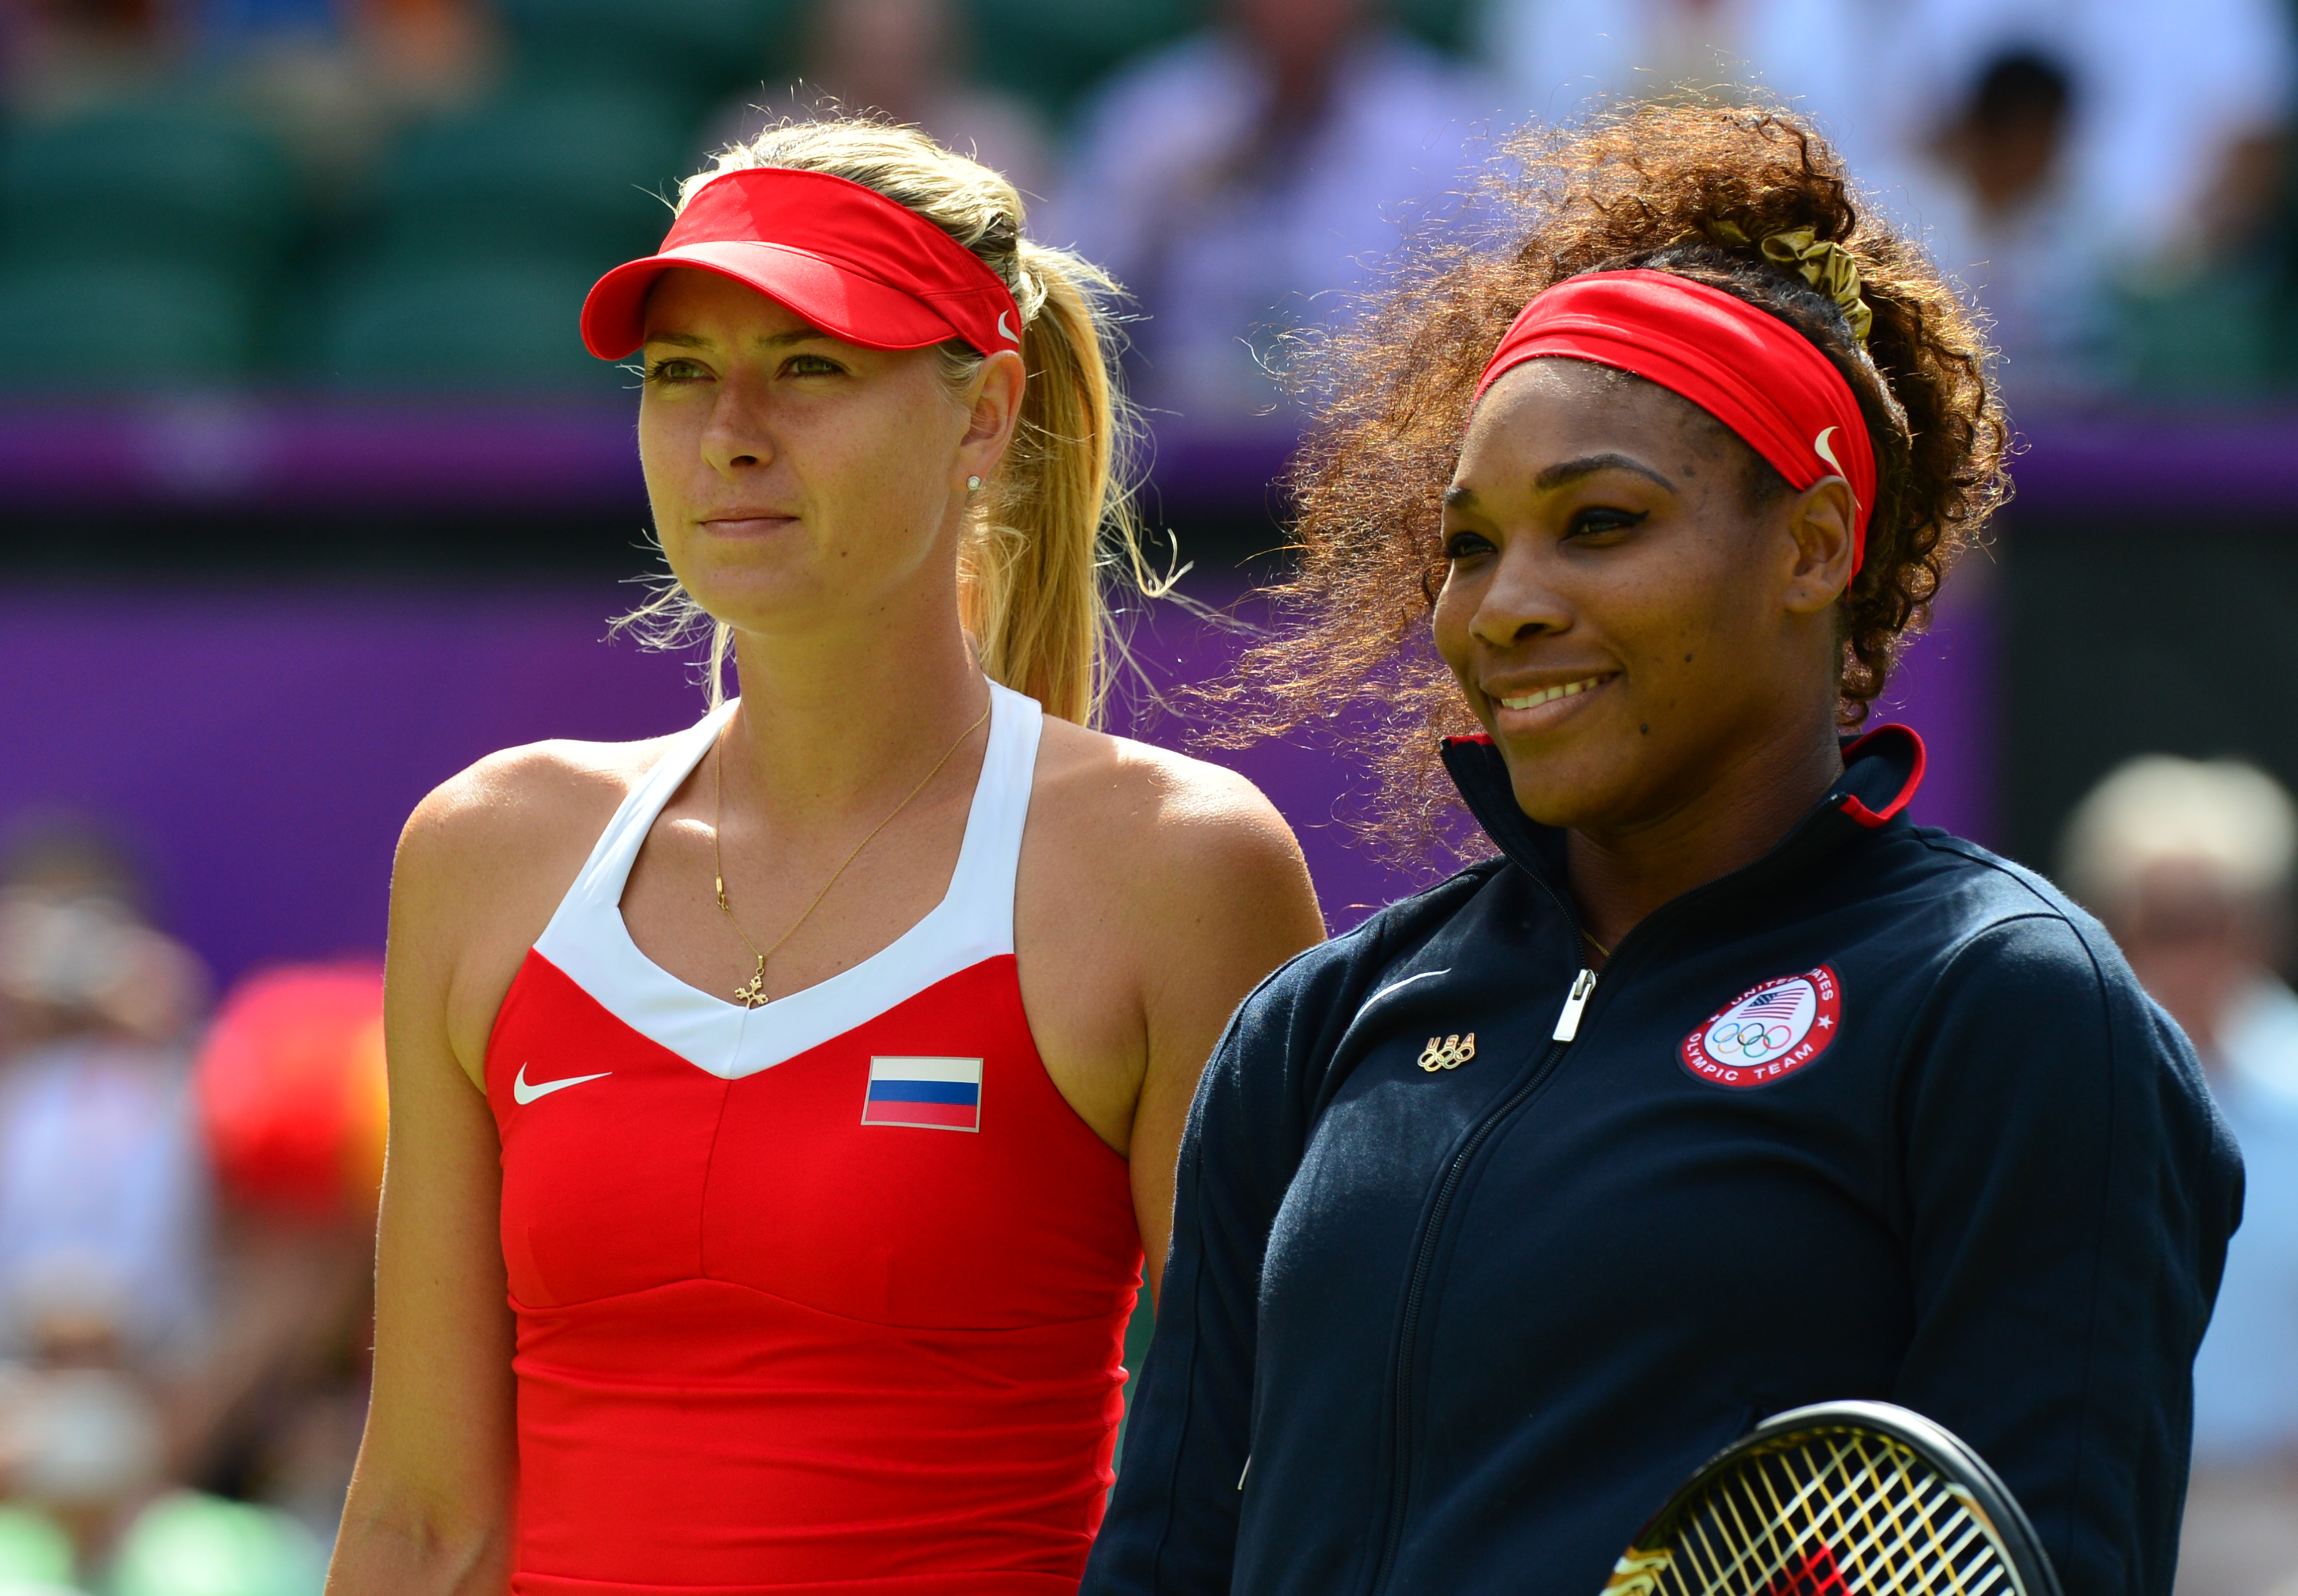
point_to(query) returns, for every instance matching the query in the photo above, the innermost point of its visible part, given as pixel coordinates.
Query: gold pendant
(752, 993)
(1448, 1053)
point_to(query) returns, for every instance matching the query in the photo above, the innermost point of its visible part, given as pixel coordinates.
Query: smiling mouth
(1549, 695)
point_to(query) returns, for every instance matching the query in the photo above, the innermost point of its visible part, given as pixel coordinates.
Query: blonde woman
(781, 1111)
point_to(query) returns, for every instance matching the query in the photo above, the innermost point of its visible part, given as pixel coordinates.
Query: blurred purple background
(259, 745)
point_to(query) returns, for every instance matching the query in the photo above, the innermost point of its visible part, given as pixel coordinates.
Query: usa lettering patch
(940, 1094)
(1768, 1032)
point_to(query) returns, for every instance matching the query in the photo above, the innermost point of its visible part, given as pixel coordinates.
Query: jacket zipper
(1567, 1027)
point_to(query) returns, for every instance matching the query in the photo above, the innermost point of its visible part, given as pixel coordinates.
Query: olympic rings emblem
(1448, 1052)
(1770, 1031)
(1749, 1038)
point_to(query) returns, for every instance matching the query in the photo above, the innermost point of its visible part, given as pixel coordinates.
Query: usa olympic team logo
(1768, 1032)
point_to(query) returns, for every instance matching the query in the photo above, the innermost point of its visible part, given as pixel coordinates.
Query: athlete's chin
(757, 588)
(1572, 787)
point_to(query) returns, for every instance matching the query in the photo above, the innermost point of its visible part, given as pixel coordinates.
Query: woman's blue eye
(673, 370)
(812, 366)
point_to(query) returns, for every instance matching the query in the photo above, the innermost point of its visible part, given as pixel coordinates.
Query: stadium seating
(160, 182)
(544, 175)
(467, 327)
(2220, 335)
(123, 324)
(698, 50)
(1050, 50)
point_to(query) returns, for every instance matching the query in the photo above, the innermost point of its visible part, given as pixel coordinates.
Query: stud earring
(973, 484)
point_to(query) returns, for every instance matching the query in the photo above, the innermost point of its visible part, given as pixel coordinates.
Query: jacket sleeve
(1173, 1520)
(2068, 1194)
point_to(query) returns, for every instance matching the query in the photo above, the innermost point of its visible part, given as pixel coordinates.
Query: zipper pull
(1567, 1023)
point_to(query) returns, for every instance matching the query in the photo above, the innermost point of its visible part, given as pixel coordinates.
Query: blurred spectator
(104, 1425)
(88, 1497)
(902, 60)
(2167, 172)
(2003, 217)
(228, 26)
(68, 56)
(2168, 103)
(1559, 58)
(2189, 863)
(2102, 175)
(334, 79)
(104, 1249)
(424, 56)
(103, 1201)
(1232, 179)
(103, 1191)
(292, 1096)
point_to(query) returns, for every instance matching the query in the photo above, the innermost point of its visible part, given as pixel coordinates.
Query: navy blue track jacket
(1880, 1115)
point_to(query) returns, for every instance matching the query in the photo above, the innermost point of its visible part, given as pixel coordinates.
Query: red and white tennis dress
(825, 1296)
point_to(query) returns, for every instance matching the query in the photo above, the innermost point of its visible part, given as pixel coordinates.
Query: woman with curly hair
(1722, 1087)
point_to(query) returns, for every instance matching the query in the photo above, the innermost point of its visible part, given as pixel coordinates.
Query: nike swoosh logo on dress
(523, 1094)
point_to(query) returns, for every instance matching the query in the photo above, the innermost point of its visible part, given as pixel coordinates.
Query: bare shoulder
(1156, 891)
(518, 809)
(482, 863)
(1177, 827)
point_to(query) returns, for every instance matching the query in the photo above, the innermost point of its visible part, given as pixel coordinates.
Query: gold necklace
(1602, 952)
(752, 994)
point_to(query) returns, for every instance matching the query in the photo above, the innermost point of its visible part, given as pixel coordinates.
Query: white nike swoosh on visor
(1003, 331)
(523, 1094)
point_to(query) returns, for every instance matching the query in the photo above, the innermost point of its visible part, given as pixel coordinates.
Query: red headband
(1743, 366)
(852, 262)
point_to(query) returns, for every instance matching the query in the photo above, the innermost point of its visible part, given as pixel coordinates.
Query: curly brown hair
(1648, 187)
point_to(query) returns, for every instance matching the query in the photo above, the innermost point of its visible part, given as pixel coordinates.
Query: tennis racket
(1843, 1499)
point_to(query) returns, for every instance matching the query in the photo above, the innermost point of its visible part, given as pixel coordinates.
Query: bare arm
(430, 1504)
(1229, 901)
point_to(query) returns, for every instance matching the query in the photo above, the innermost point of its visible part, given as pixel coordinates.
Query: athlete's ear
(1822, 521)
(993, 402)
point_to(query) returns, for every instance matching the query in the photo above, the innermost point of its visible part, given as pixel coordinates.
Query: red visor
(850, 261)
(1744, 367)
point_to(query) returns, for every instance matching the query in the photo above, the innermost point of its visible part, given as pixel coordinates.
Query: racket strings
(1825, 1514)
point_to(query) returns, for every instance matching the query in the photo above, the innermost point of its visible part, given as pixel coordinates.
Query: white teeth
(1533, 700)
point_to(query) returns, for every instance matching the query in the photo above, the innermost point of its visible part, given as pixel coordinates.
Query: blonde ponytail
(1060, 509)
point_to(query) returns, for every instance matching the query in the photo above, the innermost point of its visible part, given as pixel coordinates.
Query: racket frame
(1962, 1470)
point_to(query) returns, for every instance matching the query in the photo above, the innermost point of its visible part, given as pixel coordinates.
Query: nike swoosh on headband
(1742, 365)
(1821, 447)
(1003, 331)
(523, 1094)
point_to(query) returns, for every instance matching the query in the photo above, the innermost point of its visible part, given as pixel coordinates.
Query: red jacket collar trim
(1880, 736)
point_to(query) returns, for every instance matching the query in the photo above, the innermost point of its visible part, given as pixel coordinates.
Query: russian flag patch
(941, 1094)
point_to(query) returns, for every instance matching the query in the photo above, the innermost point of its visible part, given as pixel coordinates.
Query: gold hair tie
(1823, 263)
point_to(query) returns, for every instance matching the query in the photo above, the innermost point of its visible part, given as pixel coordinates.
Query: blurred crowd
(2189, 863)
(412, 194)
(187, 1221)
